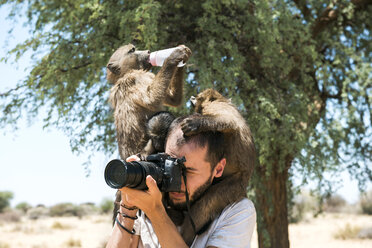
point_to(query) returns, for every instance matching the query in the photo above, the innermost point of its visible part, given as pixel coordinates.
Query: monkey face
(206, 97)
(125, 59)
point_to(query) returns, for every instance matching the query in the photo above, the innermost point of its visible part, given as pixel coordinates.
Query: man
(154, 228)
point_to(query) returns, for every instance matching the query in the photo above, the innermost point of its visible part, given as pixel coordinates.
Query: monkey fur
(138, 94)
(219, 114)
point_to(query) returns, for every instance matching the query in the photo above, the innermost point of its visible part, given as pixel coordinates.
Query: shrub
(65, 209)
(302, 204)
(59, 225)
(365, 233)
(23, 206)
(10, 216)
(37, 212)
(73, 243)
(107, 205)
(88, 208)
(5, 197)
(366, 202)
(334, 203)
(348, 232)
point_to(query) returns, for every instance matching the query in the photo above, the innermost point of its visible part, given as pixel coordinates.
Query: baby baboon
(157, 131)
(138, 94)
(219, 114)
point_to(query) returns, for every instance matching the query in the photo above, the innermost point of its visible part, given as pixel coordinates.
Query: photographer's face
(198, 171)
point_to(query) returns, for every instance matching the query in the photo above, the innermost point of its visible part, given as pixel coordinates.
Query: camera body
(166, 170)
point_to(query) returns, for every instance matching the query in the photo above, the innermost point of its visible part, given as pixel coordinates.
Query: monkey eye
(132, 50)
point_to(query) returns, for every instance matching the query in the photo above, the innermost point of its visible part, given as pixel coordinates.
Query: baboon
(219, 114)
(157, 130)
(138, 94)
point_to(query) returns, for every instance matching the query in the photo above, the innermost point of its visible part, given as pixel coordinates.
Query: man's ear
(218, 170)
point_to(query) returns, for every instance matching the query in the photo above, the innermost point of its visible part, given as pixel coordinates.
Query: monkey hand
(191, 126)
(181, 54)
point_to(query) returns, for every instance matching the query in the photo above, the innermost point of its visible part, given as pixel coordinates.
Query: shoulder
(244, 208)
(234, 227)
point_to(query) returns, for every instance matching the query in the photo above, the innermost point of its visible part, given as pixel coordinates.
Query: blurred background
(50, 188)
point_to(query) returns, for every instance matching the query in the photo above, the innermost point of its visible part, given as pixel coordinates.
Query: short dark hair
(214, 140)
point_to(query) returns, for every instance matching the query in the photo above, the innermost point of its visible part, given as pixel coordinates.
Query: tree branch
(301, 5)
(5, 94)
(76, 67)
(330, 14)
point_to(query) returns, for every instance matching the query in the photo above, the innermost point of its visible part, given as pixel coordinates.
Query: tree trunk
(271, 207)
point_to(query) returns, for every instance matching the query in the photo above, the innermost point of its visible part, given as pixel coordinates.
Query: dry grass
(59, 225)
(320, 232)
(4, 245)
(73, 243)
(347, 232)
(57, 232)
(93, 231)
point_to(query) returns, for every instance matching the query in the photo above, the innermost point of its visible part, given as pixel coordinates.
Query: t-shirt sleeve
(236, 227)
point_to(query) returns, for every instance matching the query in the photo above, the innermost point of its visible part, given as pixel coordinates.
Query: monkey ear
(113, 68)
(229, 100)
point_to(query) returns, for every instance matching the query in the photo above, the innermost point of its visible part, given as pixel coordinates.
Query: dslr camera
(166, 170)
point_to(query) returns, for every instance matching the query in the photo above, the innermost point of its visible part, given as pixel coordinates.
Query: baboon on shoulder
(218, 114)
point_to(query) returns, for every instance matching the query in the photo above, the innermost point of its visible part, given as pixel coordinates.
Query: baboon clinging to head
(137, 94)
(219, 114)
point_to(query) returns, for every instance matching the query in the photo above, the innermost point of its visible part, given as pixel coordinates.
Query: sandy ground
(93, 231)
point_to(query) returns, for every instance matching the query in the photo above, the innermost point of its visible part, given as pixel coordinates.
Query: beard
(182, 206)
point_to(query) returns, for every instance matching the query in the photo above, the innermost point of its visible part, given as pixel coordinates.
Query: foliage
(5, 197)
(106, 206)
(302, 203)
(24, 206)
(334, 203)
(65, 209)
(366, 202)
(299, 71)
(10, 216)
(37, 212)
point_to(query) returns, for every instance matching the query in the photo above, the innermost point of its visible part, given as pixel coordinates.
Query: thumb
(151, 184)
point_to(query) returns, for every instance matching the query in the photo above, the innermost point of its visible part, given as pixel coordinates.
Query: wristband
(127, 216)
(123, 227)
(127, 207)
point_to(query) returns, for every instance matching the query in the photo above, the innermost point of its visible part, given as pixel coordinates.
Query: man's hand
(149, 201)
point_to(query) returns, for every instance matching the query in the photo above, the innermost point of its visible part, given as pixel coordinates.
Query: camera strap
(187, 198)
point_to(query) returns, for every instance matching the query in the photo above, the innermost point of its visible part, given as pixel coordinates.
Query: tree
(5, 197)
(300, 72)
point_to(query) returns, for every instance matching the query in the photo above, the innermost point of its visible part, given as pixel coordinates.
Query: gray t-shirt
(233, 228)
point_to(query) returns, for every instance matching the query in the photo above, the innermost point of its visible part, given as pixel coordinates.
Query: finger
(133, 158)
(151, 184)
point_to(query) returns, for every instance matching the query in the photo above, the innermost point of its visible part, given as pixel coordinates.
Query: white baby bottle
(157, 58)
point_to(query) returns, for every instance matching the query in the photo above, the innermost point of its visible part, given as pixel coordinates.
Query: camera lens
(120, 174)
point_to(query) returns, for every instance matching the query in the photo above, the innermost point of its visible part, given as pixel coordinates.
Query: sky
(38, 166)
